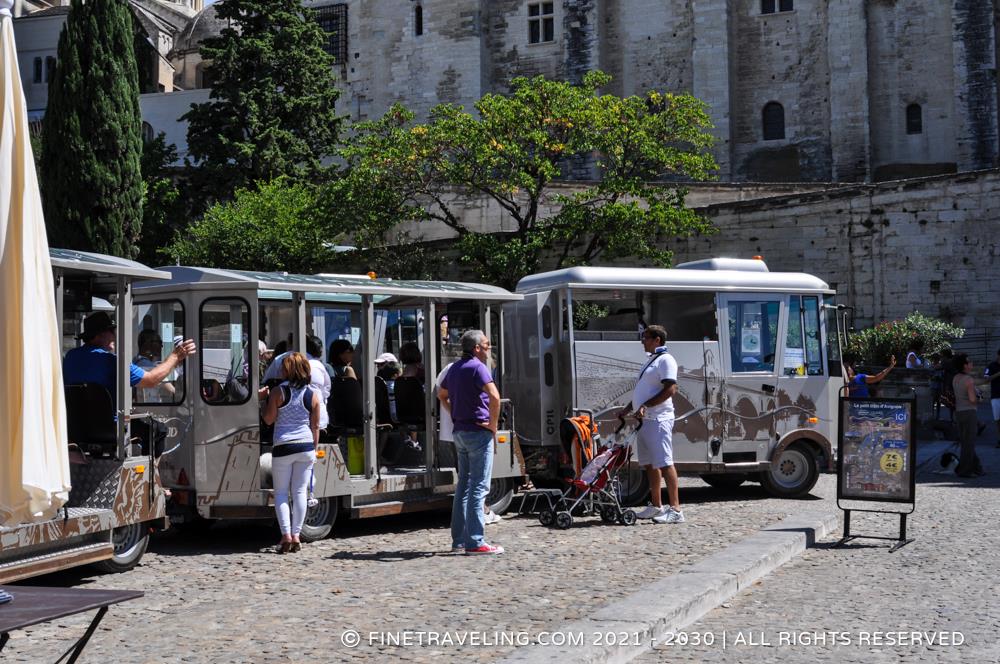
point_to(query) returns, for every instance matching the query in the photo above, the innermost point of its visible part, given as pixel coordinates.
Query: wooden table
(35, 604)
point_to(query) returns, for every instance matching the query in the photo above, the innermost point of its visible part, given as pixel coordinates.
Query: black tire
(634, 484)
(609, 514)
(792, 474)
(629, 518)
(564, 520)
(546, 517)
(501, 495)
(130, 544)
(725, 480)
(320, 519)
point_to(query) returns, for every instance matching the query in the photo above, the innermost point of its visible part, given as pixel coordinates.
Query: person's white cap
(386, 357)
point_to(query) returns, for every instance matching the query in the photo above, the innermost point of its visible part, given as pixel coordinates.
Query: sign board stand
(876, 459)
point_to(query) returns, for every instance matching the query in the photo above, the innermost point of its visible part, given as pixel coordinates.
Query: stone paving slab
(860, 603)
(225, 597)
(666, 606)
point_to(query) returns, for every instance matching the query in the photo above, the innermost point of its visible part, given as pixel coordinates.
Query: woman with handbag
(294, 409)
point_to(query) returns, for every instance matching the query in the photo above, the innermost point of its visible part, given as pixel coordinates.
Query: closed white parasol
(34, 463)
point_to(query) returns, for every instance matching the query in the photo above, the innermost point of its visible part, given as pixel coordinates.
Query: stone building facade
(927, 244)
(798, 90)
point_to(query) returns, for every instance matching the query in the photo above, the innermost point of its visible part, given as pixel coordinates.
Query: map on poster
(876, 450)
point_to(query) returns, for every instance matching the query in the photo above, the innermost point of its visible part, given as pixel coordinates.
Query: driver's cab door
(751, 333)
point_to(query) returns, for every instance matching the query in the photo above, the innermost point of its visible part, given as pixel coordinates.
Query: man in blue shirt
(95, 361)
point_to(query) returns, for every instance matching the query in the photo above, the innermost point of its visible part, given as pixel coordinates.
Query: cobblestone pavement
(225, 597)
(944, 581)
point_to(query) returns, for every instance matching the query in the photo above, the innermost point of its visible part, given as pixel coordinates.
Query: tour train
(759, 374)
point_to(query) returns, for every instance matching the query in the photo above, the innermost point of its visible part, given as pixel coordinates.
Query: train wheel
(319, 520)
(130, 544)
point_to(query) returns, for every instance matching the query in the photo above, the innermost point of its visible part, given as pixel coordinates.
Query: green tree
(91, 145)
(277, 226)
(511, 151)
(271, 110)
(875, 345)
(163, 210)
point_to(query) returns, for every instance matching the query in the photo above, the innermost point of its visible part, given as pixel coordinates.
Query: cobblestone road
(944, 581)
(224, 597)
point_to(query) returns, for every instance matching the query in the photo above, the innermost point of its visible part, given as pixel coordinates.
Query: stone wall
(929, 244)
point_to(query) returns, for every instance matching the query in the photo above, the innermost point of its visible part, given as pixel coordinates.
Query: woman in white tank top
(294, 409)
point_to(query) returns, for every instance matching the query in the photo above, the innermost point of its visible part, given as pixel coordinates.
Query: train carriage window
(225, 350)
(157, 325)
(811, 329)
(753, 330)
(612, 315)
(794, 360)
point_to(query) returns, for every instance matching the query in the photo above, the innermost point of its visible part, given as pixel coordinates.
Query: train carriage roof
(85, 261)
(716, 275)
(319, 284)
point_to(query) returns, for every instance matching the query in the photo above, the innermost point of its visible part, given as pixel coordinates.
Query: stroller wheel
(609, 514)
(628, 517)
(546, 517)
(564, 520)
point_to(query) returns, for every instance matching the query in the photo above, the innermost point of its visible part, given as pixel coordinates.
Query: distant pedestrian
(993, 374)
(966, 401)
(469, 394)
(857, 383)
(653, 403)
(294, 409)
(913, 359)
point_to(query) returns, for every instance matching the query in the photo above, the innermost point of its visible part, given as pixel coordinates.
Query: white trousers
(291, 477)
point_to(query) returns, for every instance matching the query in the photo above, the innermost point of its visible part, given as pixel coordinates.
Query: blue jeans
(474, 450)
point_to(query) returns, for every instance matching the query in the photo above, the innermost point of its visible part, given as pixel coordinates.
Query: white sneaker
(670, 515)
(649, 512)
(492, 517)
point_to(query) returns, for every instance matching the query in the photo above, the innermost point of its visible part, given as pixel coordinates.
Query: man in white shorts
(653, 403)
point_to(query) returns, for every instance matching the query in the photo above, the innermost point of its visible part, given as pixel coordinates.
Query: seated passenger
(95, 361)
(150, 349)
(341, 355)
(413, 367)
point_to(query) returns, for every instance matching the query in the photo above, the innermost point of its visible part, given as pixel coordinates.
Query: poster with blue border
(876, 450)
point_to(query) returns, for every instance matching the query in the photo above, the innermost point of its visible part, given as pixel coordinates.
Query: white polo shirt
(650, 382)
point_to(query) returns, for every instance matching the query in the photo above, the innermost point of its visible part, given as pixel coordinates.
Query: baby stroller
(596, 491)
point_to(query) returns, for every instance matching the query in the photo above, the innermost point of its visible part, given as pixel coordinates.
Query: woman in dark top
(340, 357)
(966, 404)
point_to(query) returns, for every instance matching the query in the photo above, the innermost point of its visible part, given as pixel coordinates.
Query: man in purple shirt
(472, 398)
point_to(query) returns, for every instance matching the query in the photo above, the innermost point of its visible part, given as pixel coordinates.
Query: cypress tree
(91, 141)
(271, 110)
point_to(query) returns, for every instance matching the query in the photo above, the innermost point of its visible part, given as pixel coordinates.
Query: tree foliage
(275, 227)
(271, 110)
(163, 210)
(875, 345)
(512, 150)
(91, 144)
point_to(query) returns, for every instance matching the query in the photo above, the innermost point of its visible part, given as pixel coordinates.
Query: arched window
(914, 119)
(147, 132)
(774, 121)
(418, 20)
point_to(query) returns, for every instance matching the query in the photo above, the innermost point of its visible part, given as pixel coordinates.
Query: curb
(670, 604)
